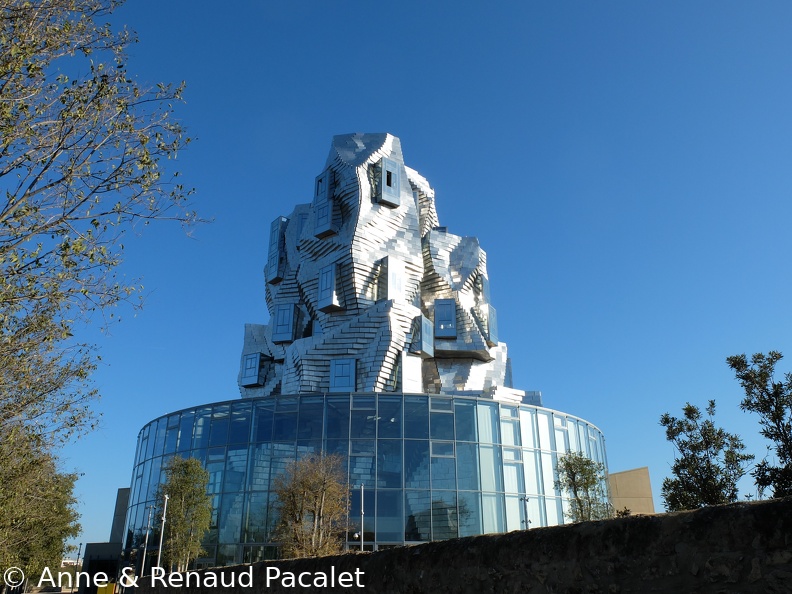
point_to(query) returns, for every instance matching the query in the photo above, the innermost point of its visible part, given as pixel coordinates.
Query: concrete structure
(383, 347)
(632, 489)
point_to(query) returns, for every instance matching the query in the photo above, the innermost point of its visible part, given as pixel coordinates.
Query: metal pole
(525, 507)
(77, 566)
(362, 513)
(145, 543)
(162, 530)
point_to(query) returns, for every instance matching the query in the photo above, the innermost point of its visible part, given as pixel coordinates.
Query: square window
(389, 190)
(342, 375)
(250, 370)
(283, 323)
(328, 297)
(445, 318)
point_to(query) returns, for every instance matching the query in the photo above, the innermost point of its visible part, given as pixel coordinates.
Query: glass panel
(445, 522)
(363, 403)
(561, 440)
(443, 448)
(513, 481)
(160, 439)
(443, 473)
(554, 511)
(492, 512)
(442, 425)
(215, 464)
(487, 422)
(465, 421)
(469, 513)
(230, 522)
(572, 434)
(389, 465)
(219, 434)
(185, 432)
(510, 432)
(416, 417)
(389, 416)
(527, 428)
(416, 464)
(418, 516)
(311, 412)
(240, 424)
(389, 515)
(287, 404)
(307, 448)
(361, 470)
(467, 461)
(262, 421)
(260, 462)
(544, 421)
(548, 473)
(172, 435)
(508, 412)
(491, 468)
(441, 404)
(285, 427)
(337, 446)
(364, 424)
(236, 464)
(532, 471)
(337, 422)
(362, 447)
(227, 554)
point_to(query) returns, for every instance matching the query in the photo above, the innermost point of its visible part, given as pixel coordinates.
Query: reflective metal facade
(433, 466)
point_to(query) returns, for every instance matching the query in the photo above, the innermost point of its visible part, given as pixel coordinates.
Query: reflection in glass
(418, 516)
(389, 464)
(445, 521)
(389, 416)
(389, 515)
(442, 425)
(416, 417)
(416, 464)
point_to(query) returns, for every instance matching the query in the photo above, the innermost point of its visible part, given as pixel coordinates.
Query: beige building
(632, 489)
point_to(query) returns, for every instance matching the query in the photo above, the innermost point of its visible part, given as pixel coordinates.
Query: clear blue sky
(626, 166)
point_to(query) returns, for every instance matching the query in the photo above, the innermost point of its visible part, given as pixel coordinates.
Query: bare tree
(313, 503)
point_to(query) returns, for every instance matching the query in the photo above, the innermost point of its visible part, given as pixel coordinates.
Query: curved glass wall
(432, 467)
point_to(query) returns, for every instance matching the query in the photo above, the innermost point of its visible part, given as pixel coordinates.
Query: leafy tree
(82, 148)
(189, 511)
(37, 505)
(772, 401)
(583, 480)
(708, 464)
(313, 501)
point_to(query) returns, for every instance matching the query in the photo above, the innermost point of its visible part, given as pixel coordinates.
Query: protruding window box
(445, 318)
(276, 261)
(389, 187)
(342, 375)
(492, 326)
(422, 337)
(284, 320)
(323, 206)
(391, 279)
(328, 299)
(251, 370)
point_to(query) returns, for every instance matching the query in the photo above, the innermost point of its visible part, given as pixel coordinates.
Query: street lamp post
(145, 543)
(77, 567)
(362, 513)
(162, 530)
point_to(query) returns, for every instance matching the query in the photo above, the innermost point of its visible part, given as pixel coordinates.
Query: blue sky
(626, 166)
